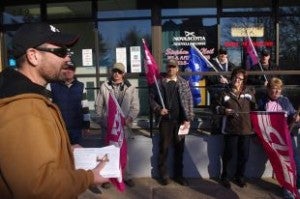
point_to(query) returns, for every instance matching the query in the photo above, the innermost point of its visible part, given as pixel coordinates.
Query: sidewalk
(148, 188)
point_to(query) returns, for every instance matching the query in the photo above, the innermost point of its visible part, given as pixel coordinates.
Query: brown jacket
(238, 123)
(36, 160)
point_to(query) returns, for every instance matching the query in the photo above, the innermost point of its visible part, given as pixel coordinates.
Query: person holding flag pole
(152, 72)
(214, 90)
(254, 63)
(222, 63)
(205, 63)
(176, 112)
(235, 103)
(274, 101)
(127, 99)
(196, 64)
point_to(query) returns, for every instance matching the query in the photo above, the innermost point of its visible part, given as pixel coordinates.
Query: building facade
(112, 30)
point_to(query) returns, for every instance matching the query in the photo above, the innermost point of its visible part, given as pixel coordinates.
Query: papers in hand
(184, 129)
(86, 158)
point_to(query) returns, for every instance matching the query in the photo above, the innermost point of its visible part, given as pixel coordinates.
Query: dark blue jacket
(283, 101)
(69, 101)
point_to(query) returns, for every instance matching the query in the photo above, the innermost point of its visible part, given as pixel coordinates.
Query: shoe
(106, 185)
(240, 182)
(95, 189)
(287, 194)
(129, 183)
(225, 182)
(164, 181)
(182, 181)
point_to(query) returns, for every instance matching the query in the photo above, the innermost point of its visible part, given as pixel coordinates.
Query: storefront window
(123, 13)
(69, 10)
(189, 11)
(246, 6)
(120, 40)
(9, 59)
(121, 34)
(83, 55)
(234, 37)
(194, 27)
(289, 42)
(21, 14)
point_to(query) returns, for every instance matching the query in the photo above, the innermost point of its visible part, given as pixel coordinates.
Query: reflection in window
(69, 10)
(21, 14)
(178, 34)
(246, 6)
(289, 40)
(289, 10)
(189, 11)
(123, 13)
(90, 92)
(86, 41)
(246, 9)
(122, 34)
(233, 36)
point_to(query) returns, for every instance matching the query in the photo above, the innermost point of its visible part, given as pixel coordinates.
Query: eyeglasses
(238, 78)
(117, 71)
(60, 52)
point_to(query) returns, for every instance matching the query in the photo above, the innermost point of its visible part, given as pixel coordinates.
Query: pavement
(150, 188)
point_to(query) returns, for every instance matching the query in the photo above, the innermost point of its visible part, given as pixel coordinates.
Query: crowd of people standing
(40, 129)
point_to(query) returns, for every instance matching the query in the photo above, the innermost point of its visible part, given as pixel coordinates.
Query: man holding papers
(176, 109)
(35, 152)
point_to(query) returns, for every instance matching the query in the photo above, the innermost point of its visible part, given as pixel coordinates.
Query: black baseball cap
(265, 52)
(222, 51)
(34, 34)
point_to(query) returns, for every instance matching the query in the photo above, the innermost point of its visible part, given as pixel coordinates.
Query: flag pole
(154, 75)
(255, 53)
(117, 103)
(159, 93)
(205, 59)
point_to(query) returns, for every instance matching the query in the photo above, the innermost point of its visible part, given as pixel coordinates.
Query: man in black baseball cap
(36, 156)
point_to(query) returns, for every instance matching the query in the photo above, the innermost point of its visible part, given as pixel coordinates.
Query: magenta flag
(252, 57)
(115, 136)
(272, 131)
(151, 68)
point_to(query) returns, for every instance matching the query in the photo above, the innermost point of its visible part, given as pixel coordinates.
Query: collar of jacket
(14, 83)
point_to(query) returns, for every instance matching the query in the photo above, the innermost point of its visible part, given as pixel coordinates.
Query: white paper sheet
(86, 158)
(183, 130)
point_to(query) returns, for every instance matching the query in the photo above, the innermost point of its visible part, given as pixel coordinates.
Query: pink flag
(151, 68)
(272, 131)
(115, 136)
(252, 57)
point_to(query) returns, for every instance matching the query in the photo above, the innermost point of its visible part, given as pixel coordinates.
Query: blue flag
(197, 63)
